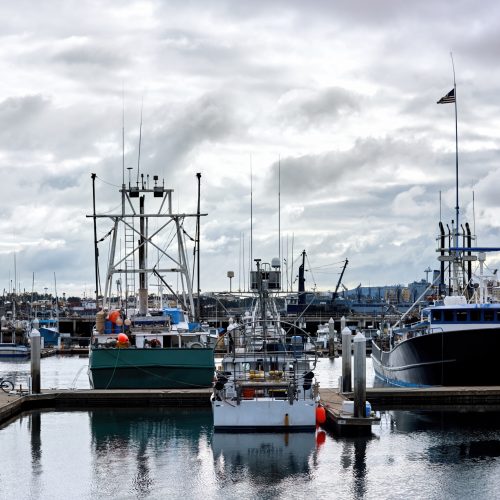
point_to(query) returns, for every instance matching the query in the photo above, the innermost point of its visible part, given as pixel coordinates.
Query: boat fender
(320, 415)
(308, 380)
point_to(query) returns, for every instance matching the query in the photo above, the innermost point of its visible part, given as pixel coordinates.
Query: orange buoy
(122, 338)
(113, 316)
(320, 415)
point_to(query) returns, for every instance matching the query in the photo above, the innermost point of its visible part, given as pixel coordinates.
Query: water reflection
(263, 457)
(36, 442)
(453, 420)
(453, 436)
(129, 445)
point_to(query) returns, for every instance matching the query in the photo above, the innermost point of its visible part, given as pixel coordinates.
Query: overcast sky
(341, 94)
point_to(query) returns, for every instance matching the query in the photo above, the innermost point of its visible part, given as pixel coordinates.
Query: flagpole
(457, 210)
(456, 142)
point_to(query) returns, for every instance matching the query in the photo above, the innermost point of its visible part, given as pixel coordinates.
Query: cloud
(339, 98)
(305, 107)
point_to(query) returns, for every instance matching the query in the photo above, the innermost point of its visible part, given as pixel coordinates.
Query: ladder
(130, 262)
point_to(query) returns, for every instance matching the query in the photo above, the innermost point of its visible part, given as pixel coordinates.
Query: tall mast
(457, 210)
(456, 143)
(198, 305)
(251, 214)
(279, 209)
(96, 250)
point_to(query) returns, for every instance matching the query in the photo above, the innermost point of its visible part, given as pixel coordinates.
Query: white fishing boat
(266, 380)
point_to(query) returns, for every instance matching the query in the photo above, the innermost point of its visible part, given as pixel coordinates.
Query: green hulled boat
(151, 368)
(133, 345)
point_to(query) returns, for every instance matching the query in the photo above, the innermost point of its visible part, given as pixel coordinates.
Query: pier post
(35, 357)
(359, 375)
(332, 343)
(346, 360)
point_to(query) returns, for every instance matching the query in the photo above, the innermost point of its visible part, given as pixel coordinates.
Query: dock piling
(346, 360)
(332, 343)
(359, 375)
(35, 357)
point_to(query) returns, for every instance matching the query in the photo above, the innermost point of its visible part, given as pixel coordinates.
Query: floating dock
(381, 399)
(344, 421)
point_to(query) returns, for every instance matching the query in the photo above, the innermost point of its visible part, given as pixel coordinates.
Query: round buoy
(320, 415)
(119, 321)
(113, 316)
(122, 338)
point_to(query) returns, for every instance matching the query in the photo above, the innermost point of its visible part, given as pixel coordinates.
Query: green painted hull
(111, 368)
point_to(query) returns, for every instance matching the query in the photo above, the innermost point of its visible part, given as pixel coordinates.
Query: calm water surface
(164, 453)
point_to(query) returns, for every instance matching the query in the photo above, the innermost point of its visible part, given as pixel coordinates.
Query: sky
(318, 117)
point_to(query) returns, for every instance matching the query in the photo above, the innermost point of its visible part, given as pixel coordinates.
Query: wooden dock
(46, 352)
(13, 404)
(344, 421)
(381, 399)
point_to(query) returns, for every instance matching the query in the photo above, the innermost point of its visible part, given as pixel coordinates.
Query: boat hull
(111, 368)
(455, 358)
(264, 415)
(12, 351)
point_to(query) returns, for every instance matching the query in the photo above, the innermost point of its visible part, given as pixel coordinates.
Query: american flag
(449, 97)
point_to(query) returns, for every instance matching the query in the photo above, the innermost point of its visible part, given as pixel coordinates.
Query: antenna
(440, 214)
(140, 141)
(251, 213)
(123, 134)
(474, 214)
(279, 209)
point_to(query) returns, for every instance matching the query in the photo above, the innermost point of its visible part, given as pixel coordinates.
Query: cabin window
(461, 315)
(448, 315)
(498, 315)
(475, 315)
(489, 315)
(436, 315)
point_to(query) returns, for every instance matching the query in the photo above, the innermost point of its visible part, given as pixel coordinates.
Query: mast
(279, 209)
(457, 210)
(197, 243)
(251, 213)
(57, 301)
(96, 250)
(451, 97)
(143, 287)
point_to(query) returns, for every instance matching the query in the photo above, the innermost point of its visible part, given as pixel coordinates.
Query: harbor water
(174, 453)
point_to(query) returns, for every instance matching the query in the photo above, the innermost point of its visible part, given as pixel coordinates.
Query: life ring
(195, 345)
